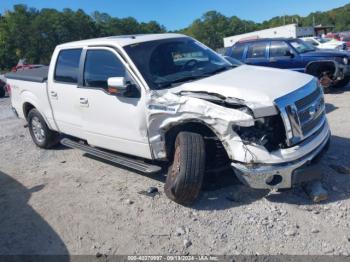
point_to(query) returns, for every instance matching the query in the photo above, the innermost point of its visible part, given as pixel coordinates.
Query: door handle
(53, 94)
(84, 101)
(273, 60)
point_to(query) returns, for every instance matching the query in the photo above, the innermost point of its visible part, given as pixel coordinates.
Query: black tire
(185, 175)
(49, 137)
(2, 91)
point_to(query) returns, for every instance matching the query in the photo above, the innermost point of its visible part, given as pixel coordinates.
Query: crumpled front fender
(168, 110)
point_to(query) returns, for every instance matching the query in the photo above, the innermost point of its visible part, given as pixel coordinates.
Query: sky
(177, 14)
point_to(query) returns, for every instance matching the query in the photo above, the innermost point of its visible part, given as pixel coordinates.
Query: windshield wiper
(180, 80)
(194, 77)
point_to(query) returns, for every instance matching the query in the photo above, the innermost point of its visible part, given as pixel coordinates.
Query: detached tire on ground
(42, 136)
(185, 175)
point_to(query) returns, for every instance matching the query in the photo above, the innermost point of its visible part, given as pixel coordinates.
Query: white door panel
(115, 123)
(112, 122)
(65, 105)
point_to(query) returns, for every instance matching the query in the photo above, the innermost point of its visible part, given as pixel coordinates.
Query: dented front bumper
(286, 174)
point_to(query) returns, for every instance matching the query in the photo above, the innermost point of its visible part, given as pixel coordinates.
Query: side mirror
(116, 85)
(289, 53)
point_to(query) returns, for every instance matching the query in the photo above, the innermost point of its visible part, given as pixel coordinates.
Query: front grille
(303, 112)
(310, 112)
(300, 104)
(311, 125)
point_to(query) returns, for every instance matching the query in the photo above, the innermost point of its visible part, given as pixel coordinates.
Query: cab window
(257, 50)
(99, 66)
(67, 66)
(279, 49)
(237, 51)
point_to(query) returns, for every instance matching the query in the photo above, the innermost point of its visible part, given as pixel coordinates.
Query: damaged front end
(268, 132)
(255, 137)
(306, 137)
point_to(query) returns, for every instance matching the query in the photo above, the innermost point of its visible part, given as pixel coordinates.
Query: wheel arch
(190, 125)
(27, 107)
(315, 67)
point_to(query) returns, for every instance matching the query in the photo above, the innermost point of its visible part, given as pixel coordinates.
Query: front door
(112, 122)
(281, 55)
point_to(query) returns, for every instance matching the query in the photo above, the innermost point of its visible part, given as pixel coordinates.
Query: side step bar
(114, 158)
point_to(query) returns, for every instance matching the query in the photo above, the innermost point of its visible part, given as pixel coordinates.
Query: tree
(33, 34)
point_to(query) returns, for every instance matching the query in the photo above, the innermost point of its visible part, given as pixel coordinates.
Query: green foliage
(213, 26)
(33, 34)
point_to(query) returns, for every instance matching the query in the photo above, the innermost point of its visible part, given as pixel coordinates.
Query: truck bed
(38, 75)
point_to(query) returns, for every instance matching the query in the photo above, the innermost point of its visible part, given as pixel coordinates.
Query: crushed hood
(258, 87)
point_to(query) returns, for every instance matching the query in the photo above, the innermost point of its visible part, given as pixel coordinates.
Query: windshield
(301, 46)
(167, 62)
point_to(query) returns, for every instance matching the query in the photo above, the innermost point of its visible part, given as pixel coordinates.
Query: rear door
(64, 94)
(257, 54)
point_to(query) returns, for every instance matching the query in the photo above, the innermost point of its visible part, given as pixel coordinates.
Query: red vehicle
(22, 65)
(343, 36)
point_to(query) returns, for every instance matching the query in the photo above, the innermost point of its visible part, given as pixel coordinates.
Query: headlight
(342, 60)
(268, 132)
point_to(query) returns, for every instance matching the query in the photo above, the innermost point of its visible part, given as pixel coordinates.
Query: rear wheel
(42, 136)
(185, 175)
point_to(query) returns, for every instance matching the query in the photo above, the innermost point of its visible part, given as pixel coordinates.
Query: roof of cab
(122, 40)
(243, 41)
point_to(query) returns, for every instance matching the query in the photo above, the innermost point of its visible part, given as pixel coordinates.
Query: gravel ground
(61, 202)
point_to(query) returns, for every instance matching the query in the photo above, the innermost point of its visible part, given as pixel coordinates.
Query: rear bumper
(283, 175)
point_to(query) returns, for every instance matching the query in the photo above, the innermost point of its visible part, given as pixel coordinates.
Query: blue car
(331, 67)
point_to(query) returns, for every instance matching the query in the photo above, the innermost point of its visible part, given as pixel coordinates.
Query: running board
(114, 158)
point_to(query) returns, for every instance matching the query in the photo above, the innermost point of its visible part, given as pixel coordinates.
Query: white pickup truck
(143, 101)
